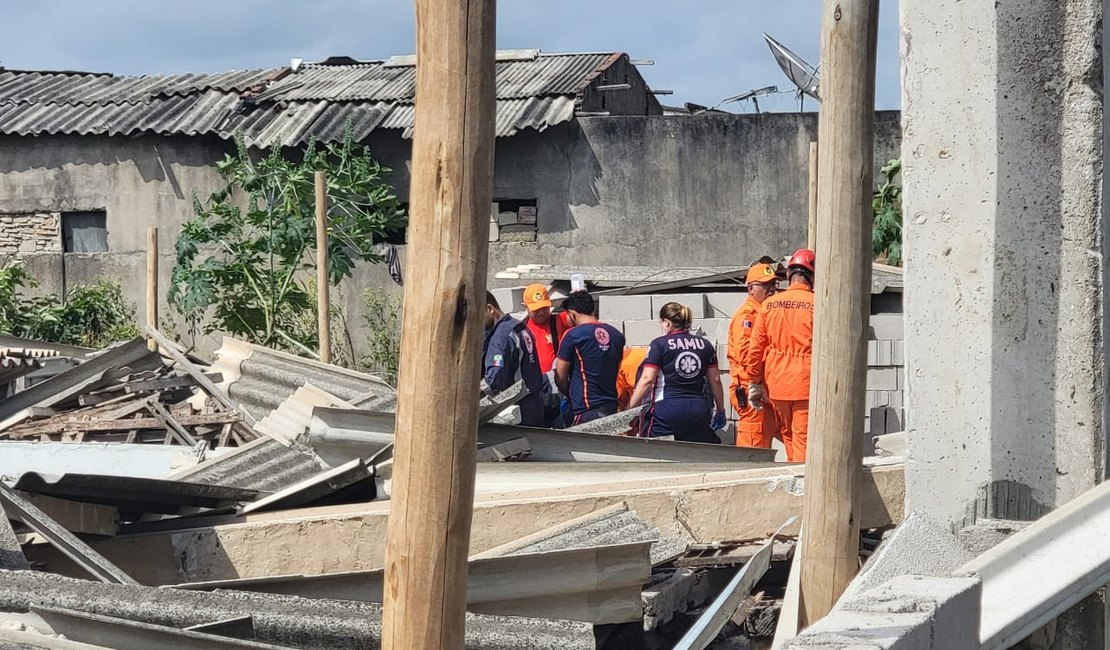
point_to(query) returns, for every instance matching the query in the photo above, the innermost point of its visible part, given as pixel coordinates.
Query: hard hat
(760, 273)
(804, 258)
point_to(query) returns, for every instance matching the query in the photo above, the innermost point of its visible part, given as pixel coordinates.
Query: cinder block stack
(886, 375)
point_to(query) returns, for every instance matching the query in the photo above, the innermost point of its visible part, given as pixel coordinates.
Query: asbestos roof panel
(513, 115)
(88, 89)
(264, 464)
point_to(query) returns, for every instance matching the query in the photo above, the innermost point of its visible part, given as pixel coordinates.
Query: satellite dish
(804, 76)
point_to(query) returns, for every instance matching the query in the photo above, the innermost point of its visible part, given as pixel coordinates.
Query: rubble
(250, 498)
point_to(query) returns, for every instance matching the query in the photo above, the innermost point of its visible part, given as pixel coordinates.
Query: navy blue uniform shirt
(683, 360)
(509, 354)
(594, 351)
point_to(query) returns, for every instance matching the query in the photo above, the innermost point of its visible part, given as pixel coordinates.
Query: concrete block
(683, 591)
(894, 421)
(725, 304)
(885, 352)
(897, 398)
(878, 421)
(919, 546)
(899, 354)
(510, 300)
(882, 379)
(641, 332)
(887, 327)
(722, 354)
(613, 309)
(872, 353)
(714, 329)
(494, 231)
(695, 301)
(901, 374)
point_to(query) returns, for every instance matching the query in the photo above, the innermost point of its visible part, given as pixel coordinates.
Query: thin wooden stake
(428, 534)
(152, 283)
(811, 239)
(830, 553)
(323, 298)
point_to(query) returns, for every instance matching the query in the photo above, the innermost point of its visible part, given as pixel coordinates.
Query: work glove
(718, 422)
(757, 395)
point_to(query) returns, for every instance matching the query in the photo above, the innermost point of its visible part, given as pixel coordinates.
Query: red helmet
(804, 258)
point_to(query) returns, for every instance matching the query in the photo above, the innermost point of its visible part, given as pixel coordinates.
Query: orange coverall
(779, 356)
(754, 427)
(626, 375)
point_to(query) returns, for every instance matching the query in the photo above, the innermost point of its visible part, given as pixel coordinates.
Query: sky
(704, 50)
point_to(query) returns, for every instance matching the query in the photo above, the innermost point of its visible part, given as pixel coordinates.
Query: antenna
(753, 95)
(804, 76)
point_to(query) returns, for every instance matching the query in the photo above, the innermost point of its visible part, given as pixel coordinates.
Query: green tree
(92, 315)
(381, 314)
(886, 204)
(243, 263)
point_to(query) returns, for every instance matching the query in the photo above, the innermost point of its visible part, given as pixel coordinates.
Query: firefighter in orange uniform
(628, 375)
(754, 427)
(779, 356)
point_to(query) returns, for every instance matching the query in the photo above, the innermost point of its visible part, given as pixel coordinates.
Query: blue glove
(718, 422)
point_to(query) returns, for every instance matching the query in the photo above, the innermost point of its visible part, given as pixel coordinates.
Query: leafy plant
(91, 316)
(382, 317)
(243, 262)
(886, 204)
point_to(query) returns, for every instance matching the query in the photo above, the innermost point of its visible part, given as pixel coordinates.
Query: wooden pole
(323, 298)
(428, 534)
(152, 283)
(811, 239)
(841, 304)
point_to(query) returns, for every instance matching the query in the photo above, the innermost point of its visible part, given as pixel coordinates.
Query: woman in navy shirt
(679, 369)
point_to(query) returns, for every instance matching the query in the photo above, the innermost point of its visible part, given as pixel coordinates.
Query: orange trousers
(756, 427)
(793, 417)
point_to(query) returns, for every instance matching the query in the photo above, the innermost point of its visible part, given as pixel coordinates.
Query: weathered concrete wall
(1004, 306)
(678, 191)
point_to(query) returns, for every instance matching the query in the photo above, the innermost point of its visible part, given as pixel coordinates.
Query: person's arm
(647, 378)
(737, 339)
(756, 349)
(562, 376)
(716, 389)
(499, 370)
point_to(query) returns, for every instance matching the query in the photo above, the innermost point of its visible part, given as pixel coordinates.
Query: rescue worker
(588, 361)
(678, 369)
(509, 354)
(754, 427)
(779, 355)
(540, 323)
(628, 375)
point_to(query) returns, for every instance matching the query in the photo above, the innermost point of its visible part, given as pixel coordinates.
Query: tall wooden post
(152, 283)
(811, 238)
(841, 304)
(437, 395)
(323, 297)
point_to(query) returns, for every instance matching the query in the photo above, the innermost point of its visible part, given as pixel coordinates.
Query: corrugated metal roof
(280, 107)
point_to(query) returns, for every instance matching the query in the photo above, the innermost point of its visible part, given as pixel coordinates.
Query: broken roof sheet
(283, 106)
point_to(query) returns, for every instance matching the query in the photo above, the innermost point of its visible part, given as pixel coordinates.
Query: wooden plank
(451, 190)
(841, 304)
(188, 366)
(167, 383)
(173, 427)
(122, 425)
(152, 283)
(323, 299)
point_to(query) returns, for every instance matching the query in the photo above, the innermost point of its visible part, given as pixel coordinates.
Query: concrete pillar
(1002, 151)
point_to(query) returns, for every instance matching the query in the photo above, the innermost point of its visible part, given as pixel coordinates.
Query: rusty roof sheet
(281, 107)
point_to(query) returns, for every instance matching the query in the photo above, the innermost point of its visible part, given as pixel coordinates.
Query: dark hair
(766, 259)
(579, 301)
(491, 301)
(798, 270)
(678, 314)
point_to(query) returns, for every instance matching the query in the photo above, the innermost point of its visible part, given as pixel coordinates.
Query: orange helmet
(804, 258)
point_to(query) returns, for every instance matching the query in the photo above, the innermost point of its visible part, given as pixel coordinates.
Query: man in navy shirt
(509, 354)
(588, 361)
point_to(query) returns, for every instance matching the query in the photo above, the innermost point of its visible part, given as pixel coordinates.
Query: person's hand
(718, 422)
(757, 395)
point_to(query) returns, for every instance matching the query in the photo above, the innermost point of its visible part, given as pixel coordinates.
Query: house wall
(679, 191)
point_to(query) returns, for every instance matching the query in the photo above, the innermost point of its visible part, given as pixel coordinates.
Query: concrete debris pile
(256, 514)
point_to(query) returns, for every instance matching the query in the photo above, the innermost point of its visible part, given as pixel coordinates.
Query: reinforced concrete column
(1002, 159)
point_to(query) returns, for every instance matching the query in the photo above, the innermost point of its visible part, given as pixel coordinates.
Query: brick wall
(30, 233)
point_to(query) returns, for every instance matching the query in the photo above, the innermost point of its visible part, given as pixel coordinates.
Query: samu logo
(687, 365)
(602, 336)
